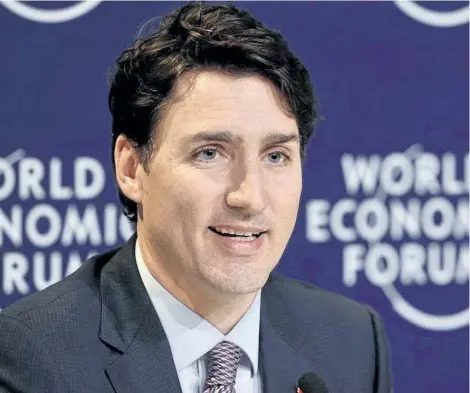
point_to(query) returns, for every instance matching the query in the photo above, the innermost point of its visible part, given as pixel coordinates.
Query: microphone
(311, 383)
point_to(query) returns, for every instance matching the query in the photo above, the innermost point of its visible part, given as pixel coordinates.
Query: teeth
(246, 239)
(238, 233)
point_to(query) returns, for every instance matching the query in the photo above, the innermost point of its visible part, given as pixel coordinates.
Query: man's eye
(208, 154)
(277, 157)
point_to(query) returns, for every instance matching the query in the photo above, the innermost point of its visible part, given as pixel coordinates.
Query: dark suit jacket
(96, 331)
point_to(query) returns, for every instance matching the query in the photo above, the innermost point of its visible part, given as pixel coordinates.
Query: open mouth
(236, 235)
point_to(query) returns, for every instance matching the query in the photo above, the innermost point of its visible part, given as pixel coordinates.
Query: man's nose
(248, 193)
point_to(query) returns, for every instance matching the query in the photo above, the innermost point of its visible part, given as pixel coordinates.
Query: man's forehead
(231, 118)
(210, 87)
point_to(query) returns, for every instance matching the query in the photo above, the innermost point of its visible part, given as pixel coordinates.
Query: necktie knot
(222, 368)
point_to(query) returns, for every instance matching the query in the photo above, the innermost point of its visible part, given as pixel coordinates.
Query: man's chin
(239, 283)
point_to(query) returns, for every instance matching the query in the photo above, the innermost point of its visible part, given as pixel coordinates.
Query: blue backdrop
(384, 215)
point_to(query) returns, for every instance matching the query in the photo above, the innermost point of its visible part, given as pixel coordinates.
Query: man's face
(221, 193)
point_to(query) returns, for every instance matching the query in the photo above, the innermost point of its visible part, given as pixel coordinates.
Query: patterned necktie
(223, 365)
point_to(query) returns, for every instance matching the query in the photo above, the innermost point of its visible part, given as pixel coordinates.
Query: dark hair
(196, 36)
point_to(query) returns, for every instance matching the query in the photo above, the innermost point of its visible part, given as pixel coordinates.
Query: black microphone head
(312, 383)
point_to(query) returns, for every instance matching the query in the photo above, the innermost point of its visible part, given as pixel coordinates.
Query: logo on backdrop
(434, 18)
(50, 220)
(406, 221)
(43, 15)
(411, 8)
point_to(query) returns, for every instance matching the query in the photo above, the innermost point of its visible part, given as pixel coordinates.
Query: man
(211, 116)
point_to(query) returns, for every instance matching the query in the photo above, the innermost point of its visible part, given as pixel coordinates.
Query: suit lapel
(147, 364)
(130, 325)
(282, 363)
(281, 366)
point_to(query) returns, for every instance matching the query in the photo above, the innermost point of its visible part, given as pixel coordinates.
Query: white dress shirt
(191, 337)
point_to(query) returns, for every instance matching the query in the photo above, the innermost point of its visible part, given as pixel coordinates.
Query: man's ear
(127, 163)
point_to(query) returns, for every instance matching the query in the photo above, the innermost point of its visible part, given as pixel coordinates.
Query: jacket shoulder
(305, 297)
(321, 324)
(65, 300)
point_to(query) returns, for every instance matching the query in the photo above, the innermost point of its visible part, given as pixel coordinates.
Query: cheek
(203, 183)
(290, 205)
(192, 193)
(285, 196)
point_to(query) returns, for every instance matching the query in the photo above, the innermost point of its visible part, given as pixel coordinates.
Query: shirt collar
(189, 335)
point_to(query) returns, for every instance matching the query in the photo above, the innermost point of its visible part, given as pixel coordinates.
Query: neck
(221, 309)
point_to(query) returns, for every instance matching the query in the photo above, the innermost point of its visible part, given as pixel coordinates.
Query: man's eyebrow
(214, 136)
(276, 138)
(272, 138)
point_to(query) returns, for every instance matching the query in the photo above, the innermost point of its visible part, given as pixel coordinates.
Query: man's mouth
(235, 234)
